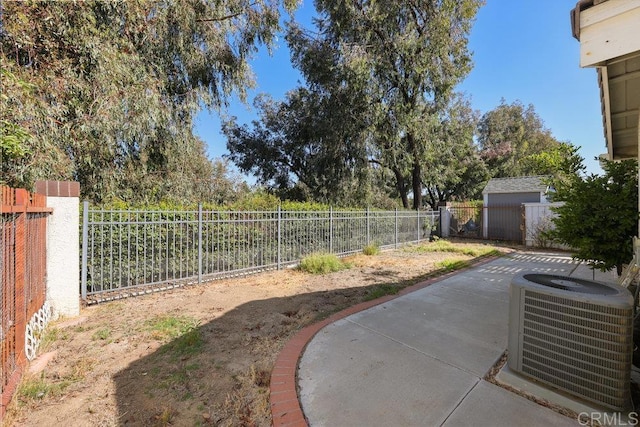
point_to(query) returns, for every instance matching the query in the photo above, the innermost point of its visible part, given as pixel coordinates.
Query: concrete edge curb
(285, 405)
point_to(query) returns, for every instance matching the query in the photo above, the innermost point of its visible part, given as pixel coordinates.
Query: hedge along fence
(123, 250)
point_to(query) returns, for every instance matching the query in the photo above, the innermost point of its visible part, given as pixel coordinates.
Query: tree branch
(224, 18)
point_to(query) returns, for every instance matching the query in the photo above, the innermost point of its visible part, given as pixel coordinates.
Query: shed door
(504, 214)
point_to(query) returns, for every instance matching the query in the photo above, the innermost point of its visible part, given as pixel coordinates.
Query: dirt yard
(200, 355)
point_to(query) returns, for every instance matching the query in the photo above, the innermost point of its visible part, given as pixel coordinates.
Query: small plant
(260, 377)
(542, 233)
(186, 344)
(371, 249)
(165, 417)
(164, 328)
(33, 389)
(80, 369)
(101, 334)
(381, 291)
(322, 263)
(452, 264)
(37, 388)
(182, 333)
(50, 335)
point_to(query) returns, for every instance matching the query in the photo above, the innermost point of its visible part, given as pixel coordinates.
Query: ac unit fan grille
(577, 346)
(577, 352)
(604, 318)
(538, 321)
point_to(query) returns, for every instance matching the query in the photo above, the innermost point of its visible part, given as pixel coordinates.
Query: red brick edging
(285, 406)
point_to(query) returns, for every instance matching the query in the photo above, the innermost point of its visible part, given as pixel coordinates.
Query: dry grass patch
(203, 354)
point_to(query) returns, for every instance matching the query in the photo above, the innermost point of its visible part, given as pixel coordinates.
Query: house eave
(609, 35)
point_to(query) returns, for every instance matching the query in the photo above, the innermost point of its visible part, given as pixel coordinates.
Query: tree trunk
(417, 185)
(432, 199)
(416, 172)
(401, 187)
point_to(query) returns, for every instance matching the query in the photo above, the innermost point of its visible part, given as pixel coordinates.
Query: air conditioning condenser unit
(572, 334)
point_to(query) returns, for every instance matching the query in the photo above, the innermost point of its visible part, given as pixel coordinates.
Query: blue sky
(522, 50)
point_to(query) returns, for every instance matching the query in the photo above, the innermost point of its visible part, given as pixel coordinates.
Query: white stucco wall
(63, 254)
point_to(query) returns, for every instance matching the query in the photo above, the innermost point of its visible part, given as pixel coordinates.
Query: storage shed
(503, 199)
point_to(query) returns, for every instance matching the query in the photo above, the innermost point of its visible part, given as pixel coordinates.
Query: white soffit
(621, 90)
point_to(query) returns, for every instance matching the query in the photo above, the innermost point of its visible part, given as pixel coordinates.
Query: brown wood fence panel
(22, 278)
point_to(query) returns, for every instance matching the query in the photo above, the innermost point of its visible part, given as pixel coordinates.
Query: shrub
(322, 263)
(371, 249)
(600, 216)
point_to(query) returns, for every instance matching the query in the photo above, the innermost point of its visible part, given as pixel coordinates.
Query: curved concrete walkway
(417, 359)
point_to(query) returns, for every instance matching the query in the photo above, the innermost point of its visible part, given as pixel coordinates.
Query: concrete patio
(420, 359)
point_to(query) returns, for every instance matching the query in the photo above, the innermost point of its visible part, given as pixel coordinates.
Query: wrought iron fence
(23, 222)
(125, 249)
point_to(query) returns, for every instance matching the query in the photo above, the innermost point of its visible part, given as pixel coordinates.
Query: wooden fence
(22, 278)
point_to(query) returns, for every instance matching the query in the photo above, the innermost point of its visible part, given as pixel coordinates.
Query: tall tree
(455, 171)
(510, 134)
(411, 54)
(302, 148)
(114, 87)
(314, 144)
(561, 163)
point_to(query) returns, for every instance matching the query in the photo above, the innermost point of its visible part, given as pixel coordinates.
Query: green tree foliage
(312, 145)
(13, 137)
(114, 88)
(561, 163)
(303, 149)
(455, 171)
(378, 77)
(512, 138)
(600, 216)
(411, 54)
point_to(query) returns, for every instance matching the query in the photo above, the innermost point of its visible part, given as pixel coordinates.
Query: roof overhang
(609, 35)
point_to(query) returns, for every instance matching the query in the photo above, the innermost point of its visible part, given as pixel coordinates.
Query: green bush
(322, 263)
(371, 249)
(600, 216)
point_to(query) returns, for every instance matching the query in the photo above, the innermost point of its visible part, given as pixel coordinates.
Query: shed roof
(523, 184)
